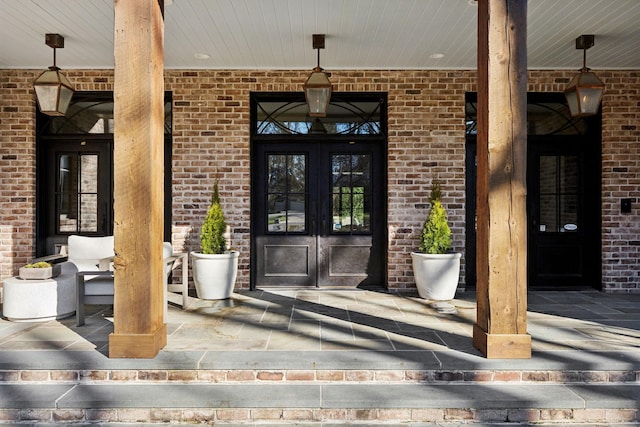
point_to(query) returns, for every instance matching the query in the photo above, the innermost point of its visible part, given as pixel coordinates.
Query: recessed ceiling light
(436, 55)
(473, 2)
(201, 56)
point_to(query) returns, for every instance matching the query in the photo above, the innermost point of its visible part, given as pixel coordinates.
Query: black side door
(564, 214)
(78, 196)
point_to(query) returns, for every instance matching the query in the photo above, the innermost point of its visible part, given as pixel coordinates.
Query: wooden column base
(137, 346)
(502, 346)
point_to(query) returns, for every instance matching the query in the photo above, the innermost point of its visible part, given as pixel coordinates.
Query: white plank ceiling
(360, 34)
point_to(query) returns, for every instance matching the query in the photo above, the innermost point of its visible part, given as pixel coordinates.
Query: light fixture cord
(584, 60)
(318, 57)
(54, 58)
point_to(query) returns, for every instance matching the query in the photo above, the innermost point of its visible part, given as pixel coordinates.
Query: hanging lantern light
(317, 88)
(53, 89)
(585, 90)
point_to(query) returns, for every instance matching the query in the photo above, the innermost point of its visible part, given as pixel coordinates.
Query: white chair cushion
(86, 252)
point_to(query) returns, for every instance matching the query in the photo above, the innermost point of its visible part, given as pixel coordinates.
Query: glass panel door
(350, 249)
(314, 206)
(564, 224)
(77, 191)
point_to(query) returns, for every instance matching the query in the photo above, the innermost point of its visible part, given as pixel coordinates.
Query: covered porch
(200, 122)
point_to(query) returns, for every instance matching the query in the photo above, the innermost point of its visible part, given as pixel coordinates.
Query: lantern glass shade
(584, 94)
(317, 90)
(53, 92)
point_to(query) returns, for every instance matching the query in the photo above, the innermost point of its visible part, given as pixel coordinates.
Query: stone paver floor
(351, 320)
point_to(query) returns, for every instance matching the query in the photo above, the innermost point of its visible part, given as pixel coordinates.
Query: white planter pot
(436, 275)
(214, 275)
(39, 273)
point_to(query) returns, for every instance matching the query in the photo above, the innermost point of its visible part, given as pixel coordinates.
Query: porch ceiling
(361, 34)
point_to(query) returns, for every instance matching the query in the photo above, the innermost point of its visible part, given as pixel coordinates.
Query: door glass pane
(296, 173)
(77, 193)
(351, 199)
(66, 194)
(296, 213)
(568, 213)
(277, 214)
(277, 175)
(89, 173)
(548, 217)
(89, 213)
(559, 194)
(286, 193)
(568, 174)
(548, 177)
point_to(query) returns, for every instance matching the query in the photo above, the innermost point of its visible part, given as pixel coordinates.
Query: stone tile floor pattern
(349, 320)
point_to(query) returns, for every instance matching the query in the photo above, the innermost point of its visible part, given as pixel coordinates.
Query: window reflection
(77, 193)
(543, 118)
(89, 114)
(351, 201)
(343, 118)
(286, 193)
(559, 194)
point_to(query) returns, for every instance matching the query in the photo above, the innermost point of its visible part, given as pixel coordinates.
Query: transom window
(287, 115)
(91, 113)
(543, 117)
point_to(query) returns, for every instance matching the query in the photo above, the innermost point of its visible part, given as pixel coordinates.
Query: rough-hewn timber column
(139, 329)
(501, 327)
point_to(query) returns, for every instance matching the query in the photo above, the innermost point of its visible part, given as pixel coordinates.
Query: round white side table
(40, 300)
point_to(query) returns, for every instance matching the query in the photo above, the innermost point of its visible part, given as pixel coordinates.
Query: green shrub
(212, 240)
(40, 264)
(436, 234)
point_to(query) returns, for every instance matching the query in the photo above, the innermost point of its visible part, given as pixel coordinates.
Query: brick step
(288, 403)
(347, 376)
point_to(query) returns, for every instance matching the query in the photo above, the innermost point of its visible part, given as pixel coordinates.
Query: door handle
(313, 230)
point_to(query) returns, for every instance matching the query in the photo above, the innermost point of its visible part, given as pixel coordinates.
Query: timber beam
(501, 326)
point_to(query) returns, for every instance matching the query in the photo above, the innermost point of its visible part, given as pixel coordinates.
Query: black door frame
(293, 139)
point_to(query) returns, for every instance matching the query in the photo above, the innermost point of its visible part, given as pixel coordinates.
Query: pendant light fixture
(317, 88)
(585, 89)
(53, 89)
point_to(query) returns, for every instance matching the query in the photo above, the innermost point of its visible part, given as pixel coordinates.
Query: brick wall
(426, 139)
(17, 170)
(621, 179)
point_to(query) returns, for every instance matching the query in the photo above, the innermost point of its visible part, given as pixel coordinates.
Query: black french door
(318, 214)
(77, 189)
(563, 186)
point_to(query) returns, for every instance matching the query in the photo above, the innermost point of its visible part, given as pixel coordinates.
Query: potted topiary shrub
(214, 268)
(435, 269)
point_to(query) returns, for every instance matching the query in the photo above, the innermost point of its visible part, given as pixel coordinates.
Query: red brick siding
(426, 139)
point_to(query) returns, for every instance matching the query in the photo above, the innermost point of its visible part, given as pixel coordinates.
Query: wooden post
(501, 327)
(139, 329)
